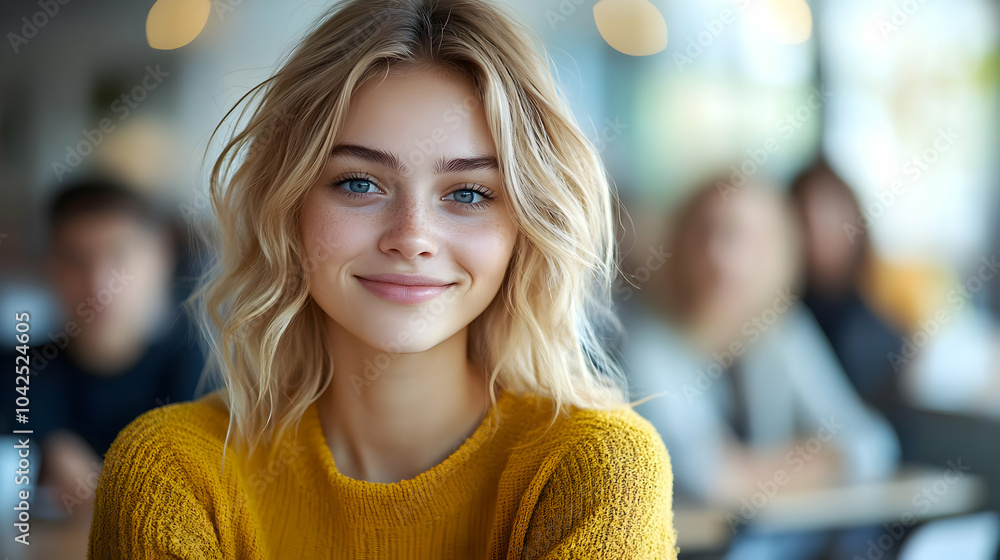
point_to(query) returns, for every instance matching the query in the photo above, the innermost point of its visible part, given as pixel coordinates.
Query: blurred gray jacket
(794, 386)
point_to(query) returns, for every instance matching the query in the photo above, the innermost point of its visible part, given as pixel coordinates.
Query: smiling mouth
(407, 294)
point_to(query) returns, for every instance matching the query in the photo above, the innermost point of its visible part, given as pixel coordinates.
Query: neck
(111, 350)
(106, 356)
(389, 417)
(714, 328)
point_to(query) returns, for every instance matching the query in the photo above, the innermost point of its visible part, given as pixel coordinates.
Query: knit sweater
(595, 484)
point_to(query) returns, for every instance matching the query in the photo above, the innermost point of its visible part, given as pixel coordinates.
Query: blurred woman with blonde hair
(416, 252)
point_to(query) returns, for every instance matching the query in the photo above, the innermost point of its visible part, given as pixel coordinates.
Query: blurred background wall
(892, 79)
(900, 97)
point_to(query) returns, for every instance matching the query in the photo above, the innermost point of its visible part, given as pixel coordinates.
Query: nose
(411, 231)
(97, 274)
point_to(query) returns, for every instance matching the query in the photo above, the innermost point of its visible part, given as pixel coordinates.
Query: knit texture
(596, 484)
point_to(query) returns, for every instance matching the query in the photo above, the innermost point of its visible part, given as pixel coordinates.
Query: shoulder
(799, 322)
(197, 424)
(605, 489)
(786, 339)
(612, 442)
(179, 444)
(605, 446)
(161, 481)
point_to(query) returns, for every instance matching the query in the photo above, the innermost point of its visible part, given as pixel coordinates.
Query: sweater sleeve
(610, 496)
(146, 505)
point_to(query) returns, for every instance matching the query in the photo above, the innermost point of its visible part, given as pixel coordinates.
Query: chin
(412, 345)
(399, 336)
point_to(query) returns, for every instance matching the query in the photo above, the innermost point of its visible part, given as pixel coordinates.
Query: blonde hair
(541, 334)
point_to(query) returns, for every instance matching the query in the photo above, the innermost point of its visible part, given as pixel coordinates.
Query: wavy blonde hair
(543, 331)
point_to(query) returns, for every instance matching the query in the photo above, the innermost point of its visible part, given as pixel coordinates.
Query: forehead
(751, 208)
(419, 114)
(99, 229)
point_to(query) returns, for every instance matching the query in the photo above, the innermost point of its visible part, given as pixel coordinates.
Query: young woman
(416, 255)
(750, 383)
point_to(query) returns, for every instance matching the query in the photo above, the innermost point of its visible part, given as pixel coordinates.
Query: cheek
(329, 237)
(486, 251)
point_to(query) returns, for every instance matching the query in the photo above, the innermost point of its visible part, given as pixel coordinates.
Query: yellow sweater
(598, 484)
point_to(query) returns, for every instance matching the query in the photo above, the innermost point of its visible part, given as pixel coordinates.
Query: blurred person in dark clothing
(123, 346)
(837, 252)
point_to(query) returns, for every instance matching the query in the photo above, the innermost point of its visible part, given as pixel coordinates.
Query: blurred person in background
(742, 374)
(838, 256)
(124, 347)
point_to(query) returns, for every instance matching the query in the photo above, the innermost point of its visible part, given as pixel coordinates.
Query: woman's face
(411, 189)
(830, 249)
(735, 251)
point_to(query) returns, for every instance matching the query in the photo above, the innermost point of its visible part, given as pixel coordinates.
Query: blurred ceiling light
(171, 24)
(633, 27)
(785, 21)
(145, 152)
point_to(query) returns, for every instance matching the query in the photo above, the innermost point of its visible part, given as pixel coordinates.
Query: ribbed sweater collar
(440, 491)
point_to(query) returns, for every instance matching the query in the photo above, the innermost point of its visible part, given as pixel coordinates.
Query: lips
(407, 289)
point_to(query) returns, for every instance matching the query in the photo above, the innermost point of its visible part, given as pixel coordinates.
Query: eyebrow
(386, 159)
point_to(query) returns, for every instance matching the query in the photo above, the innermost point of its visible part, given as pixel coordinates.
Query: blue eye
(468, 196)
(358, 185)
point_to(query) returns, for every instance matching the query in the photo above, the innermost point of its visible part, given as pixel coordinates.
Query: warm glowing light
(785, 21)
(633, 27)
(171, 24)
